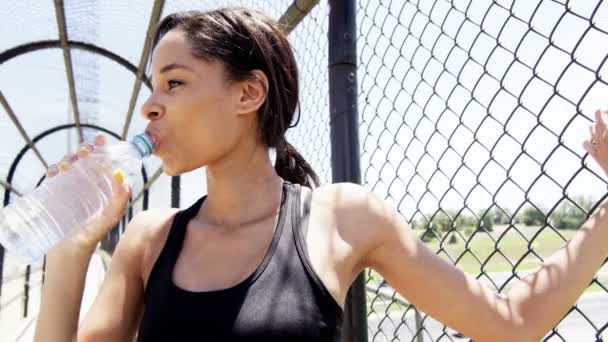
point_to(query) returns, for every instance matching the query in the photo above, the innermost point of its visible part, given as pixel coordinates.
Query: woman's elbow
(91, 335)
(520, 332)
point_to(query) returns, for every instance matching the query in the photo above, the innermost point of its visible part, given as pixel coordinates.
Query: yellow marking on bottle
(119, 176)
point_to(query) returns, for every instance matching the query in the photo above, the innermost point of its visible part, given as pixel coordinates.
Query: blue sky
(412, 92)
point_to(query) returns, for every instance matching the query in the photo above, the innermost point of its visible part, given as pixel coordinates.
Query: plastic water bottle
(34, 223)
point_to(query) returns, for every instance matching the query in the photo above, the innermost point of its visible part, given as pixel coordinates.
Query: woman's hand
(597, 144)
(99, 226)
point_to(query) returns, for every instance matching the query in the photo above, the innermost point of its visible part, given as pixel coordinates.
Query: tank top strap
(286, 220)
(163, 267)
(301, 215)
(286, 226)
(177, 234)
(282, 300)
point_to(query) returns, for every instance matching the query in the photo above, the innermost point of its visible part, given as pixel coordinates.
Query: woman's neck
(241, 189)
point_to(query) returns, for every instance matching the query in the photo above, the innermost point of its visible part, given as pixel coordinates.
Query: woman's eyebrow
(170, 67)
(173, 66)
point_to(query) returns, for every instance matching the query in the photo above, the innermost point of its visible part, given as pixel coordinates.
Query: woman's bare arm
(62, 293)
(543, 297)
(526, 312)
(67, 262)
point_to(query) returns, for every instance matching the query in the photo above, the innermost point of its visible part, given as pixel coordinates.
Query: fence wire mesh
(311, 135)
(472, 118)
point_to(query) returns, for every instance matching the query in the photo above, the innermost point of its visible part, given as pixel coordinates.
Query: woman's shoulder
(352, 218)
(350, 205)
(354, 209)
(146, 225)
(149, 223)
(344, 196)
(146, 234)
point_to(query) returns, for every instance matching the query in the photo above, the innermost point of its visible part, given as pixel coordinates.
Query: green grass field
(513, 246)
(481, 249)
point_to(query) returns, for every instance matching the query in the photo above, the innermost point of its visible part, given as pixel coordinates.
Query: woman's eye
(172, 84)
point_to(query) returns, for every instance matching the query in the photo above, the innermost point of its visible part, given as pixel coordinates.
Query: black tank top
(282, 300)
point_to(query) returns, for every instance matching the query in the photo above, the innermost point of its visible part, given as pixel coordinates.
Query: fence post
(344, 127)
(420, 337)
(175, 191)
(26, 290)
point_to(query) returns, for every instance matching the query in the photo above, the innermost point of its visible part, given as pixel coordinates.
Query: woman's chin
(169, 170)
(175, 169)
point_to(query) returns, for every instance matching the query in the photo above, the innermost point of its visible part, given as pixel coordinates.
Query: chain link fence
(311, 136)
(472, 115)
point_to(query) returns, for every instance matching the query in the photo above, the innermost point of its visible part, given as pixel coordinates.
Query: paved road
(13, 327)
(574, 328)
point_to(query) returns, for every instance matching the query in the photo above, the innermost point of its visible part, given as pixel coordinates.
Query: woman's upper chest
(212, 259)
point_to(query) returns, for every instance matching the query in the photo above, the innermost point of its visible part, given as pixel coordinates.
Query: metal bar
(175, 191)
(148, 184)
(295, 13)
(8, 187)
(19, 50)
(43, 269)
(67, 59)
(24, 328)
(30, 143)
(157, 10)
(419, 336)
(68, 126)
(24, 150)
(110, 241)
(14, 276)
(26, 289)
(1, 272)
(344, 129)
(381, 292)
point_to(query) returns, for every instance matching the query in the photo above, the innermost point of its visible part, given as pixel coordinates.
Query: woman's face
(195, 115)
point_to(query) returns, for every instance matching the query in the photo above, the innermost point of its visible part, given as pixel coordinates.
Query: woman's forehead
(174, 51)
(172, 46)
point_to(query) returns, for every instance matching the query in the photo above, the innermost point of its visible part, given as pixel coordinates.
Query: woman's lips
(155, 140)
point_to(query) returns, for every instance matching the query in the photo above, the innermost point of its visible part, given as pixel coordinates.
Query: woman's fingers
(600, 120)
(65, 164)
(599, 130)
(83, 151)
(100, 140)
(602, 126)
(596, 144)
(589, 147)
(52, 171)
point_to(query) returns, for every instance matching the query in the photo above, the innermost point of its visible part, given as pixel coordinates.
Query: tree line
(569, 214)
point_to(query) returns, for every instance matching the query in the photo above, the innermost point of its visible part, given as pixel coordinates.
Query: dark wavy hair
(246, 40)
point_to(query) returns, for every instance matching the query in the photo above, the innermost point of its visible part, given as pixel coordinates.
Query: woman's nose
(151, 110)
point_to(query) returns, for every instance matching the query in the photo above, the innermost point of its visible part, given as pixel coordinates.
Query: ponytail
(246, 40)
(292, 167)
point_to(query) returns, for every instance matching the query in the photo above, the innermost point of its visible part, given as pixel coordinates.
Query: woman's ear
(254, 91)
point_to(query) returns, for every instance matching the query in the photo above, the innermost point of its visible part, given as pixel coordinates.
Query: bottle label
(143, 145)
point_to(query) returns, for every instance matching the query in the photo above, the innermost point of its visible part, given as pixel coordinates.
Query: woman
(262, 255)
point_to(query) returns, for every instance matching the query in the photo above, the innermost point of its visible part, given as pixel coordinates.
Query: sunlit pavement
(575, 327)
(16, 328)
